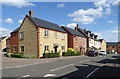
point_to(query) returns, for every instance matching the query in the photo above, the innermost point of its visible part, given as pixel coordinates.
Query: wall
(14, 42)
(30, 37)
(50, 40)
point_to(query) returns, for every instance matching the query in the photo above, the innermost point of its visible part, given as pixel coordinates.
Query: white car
(102, 53)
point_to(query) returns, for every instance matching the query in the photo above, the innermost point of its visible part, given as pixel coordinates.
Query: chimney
(77, 26)
(31, 13)
(84, 30)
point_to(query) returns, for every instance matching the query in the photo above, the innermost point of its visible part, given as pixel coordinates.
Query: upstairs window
(76, 39)
(55, 34)
(46, 33)
(21, 35)
(113, 46)
(63, 36)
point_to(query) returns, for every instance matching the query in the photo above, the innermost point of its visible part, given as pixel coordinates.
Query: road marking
(27, 65)
(61, 67)
(23, 76)
(84, 61)
(91, 73)
(50, 75)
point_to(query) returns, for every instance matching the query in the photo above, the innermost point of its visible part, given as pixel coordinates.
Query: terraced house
(76, 40)
(92, 42)
(37, 36)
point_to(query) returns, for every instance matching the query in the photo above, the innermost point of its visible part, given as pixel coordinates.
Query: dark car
(92, 53)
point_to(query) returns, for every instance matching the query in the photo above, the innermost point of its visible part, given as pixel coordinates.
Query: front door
(55, 48)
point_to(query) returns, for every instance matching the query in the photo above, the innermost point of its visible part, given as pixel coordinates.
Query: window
(22, 48)
(55, 34)
(76, 39)
(14, 48)
(46, 33)
(46, 47)
(76, 48)
(63, 36)
(113, 46)
(21, 35)
(63, 47)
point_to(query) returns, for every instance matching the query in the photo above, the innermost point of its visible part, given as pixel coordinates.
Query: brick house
(76, 40)
(13, 41)
(36, 36)
(92, 42)
(113, 47)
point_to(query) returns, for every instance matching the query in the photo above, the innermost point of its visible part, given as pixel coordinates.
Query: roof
(83, 32)
(112, 43)
(16, 30)
(46, 24)
(74, 32)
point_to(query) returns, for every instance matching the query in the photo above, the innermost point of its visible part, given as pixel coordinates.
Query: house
(3, 43)
(13, 41)
(92, 42)
(76, 40)
(102, 45)
(36, 36)
(113, 47)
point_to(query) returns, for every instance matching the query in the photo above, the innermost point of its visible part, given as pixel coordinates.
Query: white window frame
(55, 34)
(21, 49)
(46, 47)
(46, 33)
(21, 35)
(63, 36)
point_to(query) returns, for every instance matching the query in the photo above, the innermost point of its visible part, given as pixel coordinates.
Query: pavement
(78, 67)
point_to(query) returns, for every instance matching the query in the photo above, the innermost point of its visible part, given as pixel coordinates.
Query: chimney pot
(31, 13)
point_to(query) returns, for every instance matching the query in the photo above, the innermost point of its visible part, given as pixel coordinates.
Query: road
(82, 67)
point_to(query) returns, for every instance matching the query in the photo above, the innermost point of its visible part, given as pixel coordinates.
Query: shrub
(17, 55)
(66, 54)
(9, 54)
(78, 53)
(50, 55)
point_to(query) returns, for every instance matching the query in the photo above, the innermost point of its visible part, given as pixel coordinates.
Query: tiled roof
(83, 32)
(74, 32)
(46, 24)
(16, 30)
(112, 43)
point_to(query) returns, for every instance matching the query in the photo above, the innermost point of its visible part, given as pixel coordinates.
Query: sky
(101, 17)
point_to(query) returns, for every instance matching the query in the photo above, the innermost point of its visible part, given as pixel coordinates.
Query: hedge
(50, 55)
(19, 55)
(71, 53)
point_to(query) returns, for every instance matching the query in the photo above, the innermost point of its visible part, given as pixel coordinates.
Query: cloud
(20, 21)
(88, 16)
(71, 25)
(9, 20)
(110, 22)
(4, 32)
(108, 35)
(16, 3)
(60, 5)
(0, 20)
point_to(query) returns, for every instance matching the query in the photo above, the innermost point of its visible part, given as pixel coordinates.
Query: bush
(50, 55)
(78, 53)
(17, 55)
(66, 54)
(9, 54)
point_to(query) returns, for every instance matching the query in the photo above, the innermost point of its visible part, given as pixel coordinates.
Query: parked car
(102, 53)
(92, 53)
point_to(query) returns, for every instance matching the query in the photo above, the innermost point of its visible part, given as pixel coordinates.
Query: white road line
(84, 61)
(61, 67)
(50, 75)
(23, 76)
(91, 73)
(27, 65)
